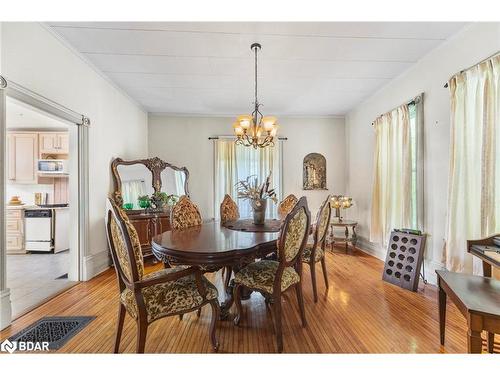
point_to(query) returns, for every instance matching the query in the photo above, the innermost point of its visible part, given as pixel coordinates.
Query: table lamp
(339, 202)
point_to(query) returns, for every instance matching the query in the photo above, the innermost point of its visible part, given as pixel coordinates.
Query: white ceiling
(207, 68)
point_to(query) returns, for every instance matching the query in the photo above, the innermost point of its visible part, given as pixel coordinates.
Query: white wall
(183, 141)
(34, 58)
(429, 75)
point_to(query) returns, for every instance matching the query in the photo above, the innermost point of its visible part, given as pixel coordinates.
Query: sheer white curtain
(133, 189)
(392, 181)
(474, 180)
(234, 163)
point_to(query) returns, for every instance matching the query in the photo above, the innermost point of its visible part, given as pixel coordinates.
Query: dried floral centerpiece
(257, 194)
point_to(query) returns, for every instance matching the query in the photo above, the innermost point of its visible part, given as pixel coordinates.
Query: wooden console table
(478, 299)
(352, 239)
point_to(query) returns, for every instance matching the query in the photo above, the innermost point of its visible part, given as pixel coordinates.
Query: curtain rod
(416, 99)
(229, 137)
(472, 66)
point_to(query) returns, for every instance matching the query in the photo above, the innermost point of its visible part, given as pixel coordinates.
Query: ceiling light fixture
(255, 130)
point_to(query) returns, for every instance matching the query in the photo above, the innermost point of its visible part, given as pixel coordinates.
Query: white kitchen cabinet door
(63, 143)
(48, 143)
(54, 143)
(23, 155)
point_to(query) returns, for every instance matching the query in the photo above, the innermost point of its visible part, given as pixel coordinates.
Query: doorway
(45, 170)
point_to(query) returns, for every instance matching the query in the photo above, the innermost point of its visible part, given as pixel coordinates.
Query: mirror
(136, 181)
(136, 178)
(173, 182)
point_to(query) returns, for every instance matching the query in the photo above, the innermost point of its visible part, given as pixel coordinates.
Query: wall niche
(314, 172)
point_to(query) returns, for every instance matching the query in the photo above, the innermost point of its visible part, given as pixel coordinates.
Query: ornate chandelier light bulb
(255, 130)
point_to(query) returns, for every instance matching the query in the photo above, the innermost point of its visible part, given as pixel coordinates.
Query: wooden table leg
(486, 269)
(474, 340)
(491, 341)
(442, 313)
(354, 237)
(346, 239)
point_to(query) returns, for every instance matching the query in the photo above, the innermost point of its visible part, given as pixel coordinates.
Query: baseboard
(95, 264)
(375, 250)
(5, 309)
(370, 248)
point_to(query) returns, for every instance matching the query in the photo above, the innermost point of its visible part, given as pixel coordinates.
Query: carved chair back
(322, 222)
(286, 205)
(292, 239)
(229, 210)
(185, 214)
(124, 245)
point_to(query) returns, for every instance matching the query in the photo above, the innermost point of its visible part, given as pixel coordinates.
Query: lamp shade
(245, 121)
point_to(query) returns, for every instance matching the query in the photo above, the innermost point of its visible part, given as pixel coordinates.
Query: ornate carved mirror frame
(155, 165)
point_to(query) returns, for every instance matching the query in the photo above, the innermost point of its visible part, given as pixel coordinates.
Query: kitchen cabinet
(22, 155)
(15, 231)
(54, 143)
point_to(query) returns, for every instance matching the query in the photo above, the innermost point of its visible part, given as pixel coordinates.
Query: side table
(348, 238)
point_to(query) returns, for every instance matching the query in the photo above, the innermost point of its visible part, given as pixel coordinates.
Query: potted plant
(144, 201)
(161, 199)
(257, 194)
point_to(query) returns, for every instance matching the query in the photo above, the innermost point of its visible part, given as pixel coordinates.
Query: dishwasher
(39, 230)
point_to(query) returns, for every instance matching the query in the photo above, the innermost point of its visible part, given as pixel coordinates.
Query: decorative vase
(144, 203)
(259, 211)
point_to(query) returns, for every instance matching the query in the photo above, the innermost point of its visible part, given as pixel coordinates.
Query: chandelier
(255, 130)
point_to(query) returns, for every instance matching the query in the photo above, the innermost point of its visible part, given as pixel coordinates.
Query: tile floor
(32, 279)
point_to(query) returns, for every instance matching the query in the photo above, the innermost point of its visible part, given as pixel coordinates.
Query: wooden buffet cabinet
(149, 225)
(152, 175)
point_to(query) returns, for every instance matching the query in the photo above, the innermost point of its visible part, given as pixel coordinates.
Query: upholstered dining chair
(315, 252)
(271, 277)
(147, 298)
(286, 205)
(185, 214)
(228, 212)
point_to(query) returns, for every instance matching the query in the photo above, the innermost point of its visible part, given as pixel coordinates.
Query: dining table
(213, 245)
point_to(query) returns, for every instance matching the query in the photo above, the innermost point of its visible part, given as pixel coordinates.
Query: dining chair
(286, 205)
(147, 298)
(228, 212)
(185, 214)
(272, 278)
(315, 252)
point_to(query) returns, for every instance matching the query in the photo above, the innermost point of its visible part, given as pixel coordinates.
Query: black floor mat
(56, 330)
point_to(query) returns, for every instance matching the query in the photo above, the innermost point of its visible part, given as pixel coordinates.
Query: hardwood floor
(358, 314)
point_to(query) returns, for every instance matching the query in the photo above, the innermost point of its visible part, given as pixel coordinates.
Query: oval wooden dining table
(214, 246)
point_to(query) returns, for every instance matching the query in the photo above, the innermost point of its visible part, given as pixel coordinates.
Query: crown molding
(232, 115)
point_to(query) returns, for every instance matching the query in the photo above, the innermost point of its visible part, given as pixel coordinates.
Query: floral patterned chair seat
(170, 298)
(260, 275)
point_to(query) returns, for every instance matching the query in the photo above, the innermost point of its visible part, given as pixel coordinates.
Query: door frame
(80, 234)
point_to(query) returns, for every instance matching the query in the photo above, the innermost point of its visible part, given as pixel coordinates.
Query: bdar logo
(8, 346)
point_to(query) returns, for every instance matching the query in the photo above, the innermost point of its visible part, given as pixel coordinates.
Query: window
(412, 109)
(235, 163)
(397, 197)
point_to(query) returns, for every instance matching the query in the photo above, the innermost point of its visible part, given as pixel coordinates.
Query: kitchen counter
(34, 207)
